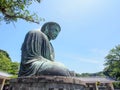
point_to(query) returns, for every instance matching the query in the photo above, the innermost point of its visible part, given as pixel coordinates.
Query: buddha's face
(53, 32)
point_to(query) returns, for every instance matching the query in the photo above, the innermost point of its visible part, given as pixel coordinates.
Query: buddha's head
(51, 29)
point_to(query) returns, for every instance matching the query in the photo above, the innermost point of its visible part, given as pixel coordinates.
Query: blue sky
(90, 29)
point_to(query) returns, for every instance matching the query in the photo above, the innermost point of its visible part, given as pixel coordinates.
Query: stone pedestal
(46, 83)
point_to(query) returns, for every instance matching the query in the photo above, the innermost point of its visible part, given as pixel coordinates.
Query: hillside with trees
(100, 74)
(7, 65)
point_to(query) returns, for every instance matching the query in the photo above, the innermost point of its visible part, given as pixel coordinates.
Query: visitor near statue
(37, 56)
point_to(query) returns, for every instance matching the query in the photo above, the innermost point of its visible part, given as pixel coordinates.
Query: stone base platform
(46, 83)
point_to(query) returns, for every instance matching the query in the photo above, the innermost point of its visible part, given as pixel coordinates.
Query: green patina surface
(38, 53)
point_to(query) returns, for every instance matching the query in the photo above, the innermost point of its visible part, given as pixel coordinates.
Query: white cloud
(82, 63)
(78, 58)
(88, 60)
(99, 52)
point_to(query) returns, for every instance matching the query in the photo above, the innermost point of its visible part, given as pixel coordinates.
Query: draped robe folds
(38, 57)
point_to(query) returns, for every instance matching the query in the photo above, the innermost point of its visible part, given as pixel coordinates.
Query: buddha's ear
(46, 31)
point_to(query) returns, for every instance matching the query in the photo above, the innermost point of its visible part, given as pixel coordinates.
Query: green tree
(12, 10)
(90, 74)
(112, 64)
(6, 64)
(14, 68)
(5, 61)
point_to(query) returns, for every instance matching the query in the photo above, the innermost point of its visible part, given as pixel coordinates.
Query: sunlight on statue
(38, 53)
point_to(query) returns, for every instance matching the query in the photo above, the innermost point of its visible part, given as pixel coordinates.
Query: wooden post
(110, 86)
(96, 86)
(3, 82)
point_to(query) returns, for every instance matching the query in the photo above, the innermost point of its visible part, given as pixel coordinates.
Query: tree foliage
(112, 64)
(12, 10)
(6, 64)
(5, 61)
(90, 74)
(14, 68)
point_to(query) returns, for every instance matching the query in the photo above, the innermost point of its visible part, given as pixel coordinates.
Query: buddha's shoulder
(34, 31)
(37, 33)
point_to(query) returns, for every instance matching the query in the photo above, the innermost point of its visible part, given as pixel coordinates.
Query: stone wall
(46, 83)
